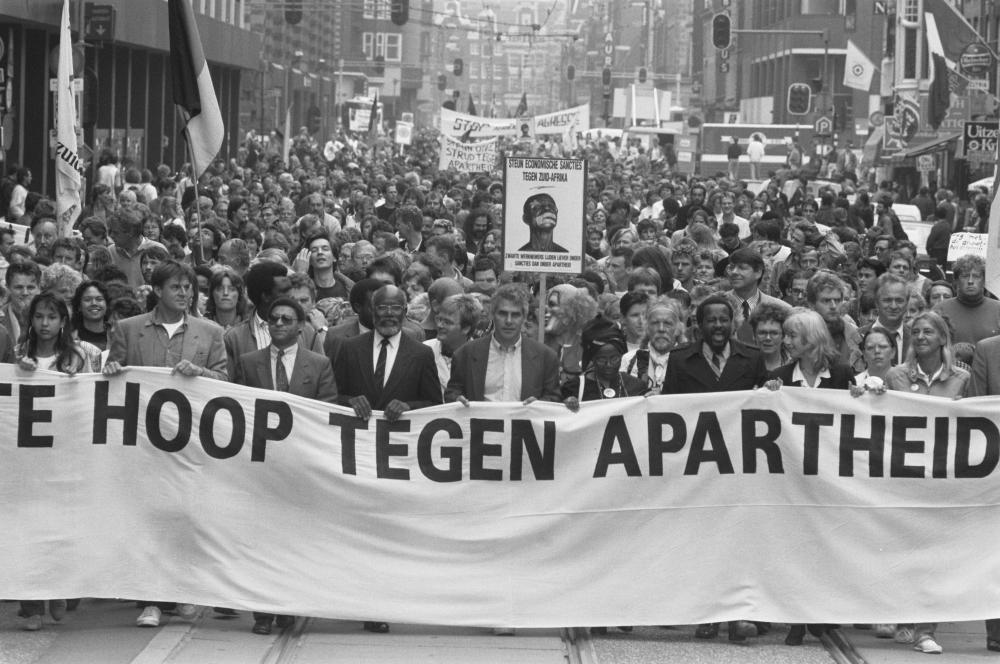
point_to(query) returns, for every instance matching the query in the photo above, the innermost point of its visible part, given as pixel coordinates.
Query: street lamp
(294, 64)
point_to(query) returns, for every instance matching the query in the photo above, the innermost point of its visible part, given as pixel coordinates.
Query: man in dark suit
(360, 300)
(479, 372)
(265, 281)
(385, 369)
(717, 363)
(285, 366)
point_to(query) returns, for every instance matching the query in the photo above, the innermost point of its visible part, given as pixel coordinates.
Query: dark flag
(522, 108)
(939, 97)
(374, 114)
(472, 106)
(193, 92)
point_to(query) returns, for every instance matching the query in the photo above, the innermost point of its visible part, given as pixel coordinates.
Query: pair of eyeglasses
(612, 361)
(385, 309)
(282, 320)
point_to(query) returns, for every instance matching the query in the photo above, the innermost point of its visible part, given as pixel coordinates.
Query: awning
(931, 145)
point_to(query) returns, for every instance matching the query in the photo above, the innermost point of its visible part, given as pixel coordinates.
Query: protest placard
(543, 228)
(475, 157)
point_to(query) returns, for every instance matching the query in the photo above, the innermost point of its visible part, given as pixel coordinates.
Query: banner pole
(542, 301)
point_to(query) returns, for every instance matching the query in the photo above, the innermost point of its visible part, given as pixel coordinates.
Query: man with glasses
(541, 215)
(265, 282)
(285, 366)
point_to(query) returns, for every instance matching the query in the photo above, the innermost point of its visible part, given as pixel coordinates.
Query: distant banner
(964, 244)
(569, 121)
(455, 125)
(790, 506)
(475, 157)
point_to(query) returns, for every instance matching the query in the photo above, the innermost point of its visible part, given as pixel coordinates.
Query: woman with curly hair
(568, 309)
(92, 313)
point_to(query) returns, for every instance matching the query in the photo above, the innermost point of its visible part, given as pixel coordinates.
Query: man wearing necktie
(745, 271)
(716, 363)
(384, 369)
(285, 366)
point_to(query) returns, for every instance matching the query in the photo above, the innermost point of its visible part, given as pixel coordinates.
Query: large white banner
(565, 122)
(455, 125)
(790, 506)
(475, 157)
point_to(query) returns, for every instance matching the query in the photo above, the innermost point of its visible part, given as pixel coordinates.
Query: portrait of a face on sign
(543, 215)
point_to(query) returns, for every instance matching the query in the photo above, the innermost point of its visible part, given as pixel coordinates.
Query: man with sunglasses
(541, 214)
(285, 366)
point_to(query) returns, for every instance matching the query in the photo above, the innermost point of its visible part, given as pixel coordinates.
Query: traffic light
(570, 73)
(399, 12)
(314, 119)
(606, 77)
(293, 12)
(442, 81)
(799, 98)
(457, 66)
(642, 74)
(722, 32)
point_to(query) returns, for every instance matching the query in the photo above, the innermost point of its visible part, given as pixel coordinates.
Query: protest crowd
(361, 275)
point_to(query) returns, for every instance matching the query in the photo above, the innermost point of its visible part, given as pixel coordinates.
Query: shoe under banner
(800, 506)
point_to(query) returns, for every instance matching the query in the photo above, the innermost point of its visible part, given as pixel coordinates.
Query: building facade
(126, 103)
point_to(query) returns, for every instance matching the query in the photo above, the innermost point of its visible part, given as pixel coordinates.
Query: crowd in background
(362, 267)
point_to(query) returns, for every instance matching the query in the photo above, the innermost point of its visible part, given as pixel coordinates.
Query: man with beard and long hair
(825, 294)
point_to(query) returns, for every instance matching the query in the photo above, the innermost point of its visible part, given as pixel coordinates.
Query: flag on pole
(286, 143)
(373, 117)
(68, 166)
(472, 106)
(194, 93)
(522, 108)
(941, 18)
(858, 69)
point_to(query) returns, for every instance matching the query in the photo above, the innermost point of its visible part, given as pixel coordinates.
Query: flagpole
(197, 197)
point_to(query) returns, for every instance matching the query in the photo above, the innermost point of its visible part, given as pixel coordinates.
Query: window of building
(376, 9)
(386, 44)
(473, 49)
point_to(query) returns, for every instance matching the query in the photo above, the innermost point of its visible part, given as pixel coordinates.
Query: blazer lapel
(263, 368)
(399, 367)
(529, 368)
(190, 339)
(480, 359)
(301, 375)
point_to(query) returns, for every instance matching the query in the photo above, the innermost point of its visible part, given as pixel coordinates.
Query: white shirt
(288, 359)
(799, 378)
(503, 372)
(443, 363)
(261, 332)
(390, 353)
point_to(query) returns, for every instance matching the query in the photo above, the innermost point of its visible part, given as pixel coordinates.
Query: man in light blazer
(745, 271)
(478, 370)
(168, 336)
(287, 367)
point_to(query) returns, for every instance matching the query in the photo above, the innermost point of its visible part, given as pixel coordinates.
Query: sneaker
(885, 631)
(57, 609)
(904, 634)
(928, 645)
(150, 617)
(186, 611)
(32, 624)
